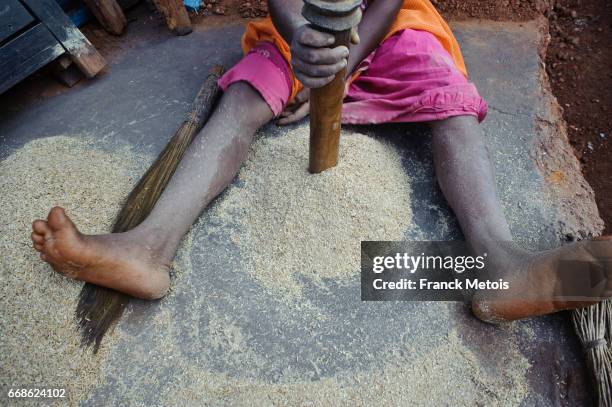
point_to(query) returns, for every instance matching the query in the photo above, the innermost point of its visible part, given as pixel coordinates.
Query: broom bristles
(590, 325)
(99, 308)
(609, 323)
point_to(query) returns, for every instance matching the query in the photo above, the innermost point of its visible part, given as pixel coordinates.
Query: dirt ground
(499, 10)
(578, 63)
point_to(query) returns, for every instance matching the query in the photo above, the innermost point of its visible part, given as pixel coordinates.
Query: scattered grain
(291, 223)
(39, 343)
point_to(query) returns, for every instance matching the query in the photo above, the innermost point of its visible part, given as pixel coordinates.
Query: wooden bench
(36, 32)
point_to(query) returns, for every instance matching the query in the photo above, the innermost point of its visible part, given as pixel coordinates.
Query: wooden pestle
(325, 118)
(336, 17)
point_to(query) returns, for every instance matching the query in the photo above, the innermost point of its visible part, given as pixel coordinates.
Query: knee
(459, 135)
(456, 124)
(247, 106)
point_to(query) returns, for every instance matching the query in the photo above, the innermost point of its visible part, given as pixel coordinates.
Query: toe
(38, 246)
(41, 228)
(38, 238)
(57, 219)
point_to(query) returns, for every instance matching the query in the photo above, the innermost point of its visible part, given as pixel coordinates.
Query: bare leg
(137, 262)
(466, 178)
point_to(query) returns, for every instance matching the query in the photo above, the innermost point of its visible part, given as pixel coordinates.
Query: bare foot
(120, 261)
(569, 277)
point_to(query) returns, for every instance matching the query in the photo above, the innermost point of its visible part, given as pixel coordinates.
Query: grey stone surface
(148, 89)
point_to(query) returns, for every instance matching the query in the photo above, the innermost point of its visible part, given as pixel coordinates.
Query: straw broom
(591, 324)
(99, 308)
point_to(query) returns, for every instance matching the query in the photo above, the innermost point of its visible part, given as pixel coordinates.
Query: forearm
(372, 29)
(286, 16)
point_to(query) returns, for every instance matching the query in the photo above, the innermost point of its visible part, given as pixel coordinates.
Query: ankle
(160, 242)
(500, 253)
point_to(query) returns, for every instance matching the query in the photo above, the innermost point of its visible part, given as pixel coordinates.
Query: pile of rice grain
(39, 343)
(291, 223)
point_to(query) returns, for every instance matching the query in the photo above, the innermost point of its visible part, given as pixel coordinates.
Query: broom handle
(204, 100)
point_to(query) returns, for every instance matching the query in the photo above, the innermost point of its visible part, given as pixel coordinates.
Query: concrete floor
(142, 99)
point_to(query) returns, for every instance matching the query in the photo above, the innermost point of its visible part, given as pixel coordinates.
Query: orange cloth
(414, 14)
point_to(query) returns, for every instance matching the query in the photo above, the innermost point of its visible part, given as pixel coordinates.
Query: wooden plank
(175, 14)
(21, 48)
(13, 17)
(84, 55)
(27, 53)
(109, 15)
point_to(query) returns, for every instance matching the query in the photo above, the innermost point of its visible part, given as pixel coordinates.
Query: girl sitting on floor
(407, 67)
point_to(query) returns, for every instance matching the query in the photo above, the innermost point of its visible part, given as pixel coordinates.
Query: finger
(321, 56)
(313, 82)
(313, 38)
(355, 36)
(290, 107)
(298, 115)
(302, 111)
(294, 105)
(319, 71)
(288, 111)
(302, 96)
(285, 121)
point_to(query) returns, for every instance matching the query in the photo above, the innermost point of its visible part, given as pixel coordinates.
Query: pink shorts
(410, 77)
